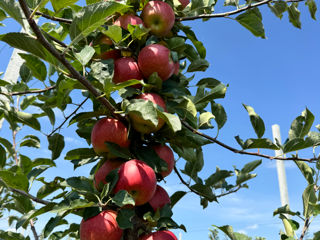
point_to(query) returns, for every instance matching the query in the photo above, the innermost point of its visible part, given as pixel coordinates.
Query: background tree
(73, 73)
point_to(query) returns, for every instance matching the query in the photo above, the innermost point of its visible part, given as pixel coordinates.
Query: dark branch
(229, 192)
(60, 57)
(33, 198)
(34, 231)
(227, 14)
(57, 19)
(66, 119)
(214, 140)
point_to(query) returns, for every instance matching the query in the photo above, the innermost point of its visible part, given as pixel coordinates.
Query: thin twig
(70, 115)
(227, 14)
(57, 41)
(28, 195)
(32, 91)
(214, 140)
(61, 58)
(34, 231)
(305, 228)
(229, 192)
(57, 19)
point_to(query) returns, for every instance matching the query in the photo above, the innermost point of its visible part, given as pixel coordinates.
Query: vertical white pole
(280, 168)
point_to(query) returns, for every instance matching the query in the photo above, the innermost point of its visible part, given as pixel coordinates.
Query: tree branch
(305, 228)
(60, 57)
(34, 231)
(66, 119)
(226, 14)
(57, 19)
(33, 198)
(32, 91)
(214, 140)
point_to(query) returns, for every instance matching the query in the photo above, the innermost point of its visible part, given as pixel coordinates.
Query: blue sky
(279, 77)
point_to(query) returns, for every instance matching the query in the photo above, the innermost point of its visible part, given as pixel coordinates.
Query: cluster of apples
(134, 175)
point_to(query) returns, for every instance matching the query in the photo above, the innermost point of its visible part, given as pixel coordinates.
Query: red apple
(101, 227)
(144, 126)
(184, 3)
(159, 199)
(105, 40)
(124, 20)
(138, 179)
(160, 235)
(103, 171)
(126, 68)
(159, 17)
(156, 58)
(166, 154)
(111, 54)
(108, 130)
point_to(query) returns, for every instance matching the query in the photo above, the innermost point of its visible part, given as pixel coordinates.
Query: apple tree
(131, 64)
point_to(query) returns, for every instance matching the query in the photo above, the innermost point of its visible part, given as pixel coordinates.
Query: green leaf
(199, 45)
(295, 145)
(123, 198)
(15, 180)
(137, 31)
(316, 235)
(92, 1)
(249, 167)
(27, 101)
(143, 109)
(312, 8)
(176, 197)
(71, 205)
(205, 120)
(256, 121)
(8, 235)
(56, 145)
(198, 65)
(29, 44)
(124, 218)
(30, 141)
(28, 119)
(7, 145)
(13, 9)
(219, 113)
(301, 125)
(85, 55)
(217, 177)
(3, 157)
(46, 190)
(252, 20)
(92, 17)
(218, 91)
(80, 153)
(37, 67)
(309, 199)
(278, 8)
(59, 4)
(103, 72)
(118, 151)
(173, 121)
(228, 230)
(285, 210)
(294, 15)
(306, 171)
(231, 3)
(81, 184)
(52, 223)
(205, 191)
(114, 32)
(243, 177)
(259, 143)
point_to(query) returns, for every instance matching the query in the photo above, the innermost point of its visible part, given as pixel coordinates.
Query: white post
(280, 168)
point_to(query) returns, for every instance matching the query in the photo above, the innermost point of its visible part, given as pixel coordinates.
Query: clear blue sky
(279, 77)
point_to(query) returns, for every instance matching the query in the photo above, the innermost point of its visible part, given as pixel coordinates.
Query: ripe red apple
(159, 199)
(103, 171)
(160, 235)
(124, 20)
(108, 130)
(144, 126)
(138, 179)
(156, 58)
(110, 54)
(184, 3)
(101, 227)
(166, 154)
(159, 17)
(126, 68)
